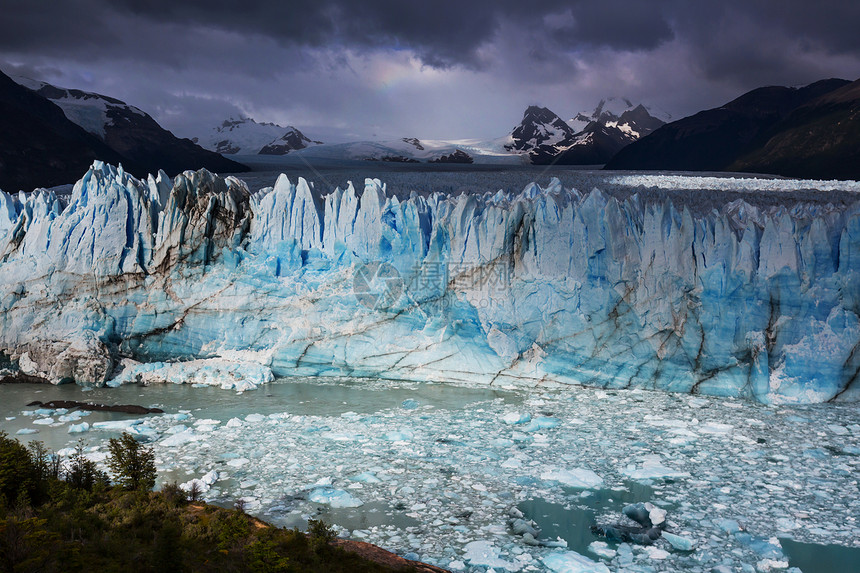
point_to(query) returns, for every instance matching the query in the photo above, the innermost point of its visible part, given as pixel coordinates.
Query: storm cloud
(432, 69)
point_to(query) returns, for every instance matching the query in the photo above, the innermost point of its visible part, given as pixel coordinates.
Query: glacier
(729, 287)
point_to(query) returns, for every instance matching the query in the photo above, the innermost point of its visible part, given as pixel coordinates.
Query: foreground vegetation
(77, 518)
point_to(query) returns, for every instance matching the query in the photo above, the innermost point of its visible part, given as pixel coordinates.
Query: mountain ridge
(818, 139)
(247, 136)
(40, 146)
(730, 137)
(132, 136)
(545, 138)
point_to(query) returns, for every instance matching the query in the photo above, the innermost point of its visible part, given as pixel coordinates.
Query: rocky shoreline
(383, 557)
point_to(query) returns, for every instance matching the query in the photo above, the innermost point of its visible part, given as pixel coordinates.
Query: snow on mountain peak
(539, 126)
(612, 107)
(246, 136)
(91, 111)
(587, 139)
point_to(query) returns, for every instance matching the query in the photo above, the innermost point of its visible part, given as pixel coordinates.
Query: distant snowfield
(481, 151)
(437, 470)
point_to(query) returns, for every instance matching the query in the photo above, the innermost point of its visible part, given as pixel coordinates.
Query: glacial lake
(438, 471)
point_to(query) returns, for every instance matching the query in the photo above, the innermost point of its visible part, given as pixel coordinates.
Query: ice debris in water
(652, 468)
(516, 418)
(485, 554)
(229, 375)
(572, 562)
(577, 477)
(336, 498)
(602, 549)
(459, 478)
(678, 542)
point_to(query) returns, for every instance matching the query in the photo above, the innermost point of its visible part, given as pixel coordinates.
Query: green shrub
(266, 555)
(233, 531)
(173, 494)
(27, 545)
(320, 533)
(167, 548)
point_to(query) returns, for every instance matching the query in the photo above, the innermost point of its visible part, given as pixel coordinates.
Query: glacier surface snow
(124, 280)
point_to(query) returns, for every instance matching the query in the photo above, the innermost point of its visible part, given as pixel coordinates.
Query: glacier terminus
(712, 285)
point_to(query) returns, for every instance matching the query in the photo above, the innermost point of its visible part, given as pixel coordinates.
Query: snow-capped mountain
(94, 112)
(39, 146)
(246, 136)
(540, 127)
(612, 109)
(541, 137)
(587, 139)
(108, 129)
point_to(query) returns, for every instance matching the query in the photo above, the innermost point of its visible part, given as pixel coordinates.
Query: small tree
(320, 533)
(46, 468)
(132, 464)
(173, 494)
(45, 463)
(194, 490)
(82, 473)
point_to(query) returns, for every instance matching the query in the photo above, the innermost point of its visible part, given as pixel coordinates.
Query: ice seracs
(653, 282)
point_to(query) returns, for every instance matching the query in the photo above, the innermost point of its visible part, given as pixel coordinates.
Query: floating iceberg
(573, 562)
(577, 477)
(732, 287)
(336, 498)
(79, 428)
(485, 554)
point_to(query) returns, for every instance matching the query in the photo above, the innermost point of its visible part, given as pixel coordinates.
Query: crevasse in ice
(551, 285)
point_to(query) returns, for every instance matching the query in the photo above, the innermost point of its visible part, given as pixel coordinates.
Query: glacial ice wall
(548, 286)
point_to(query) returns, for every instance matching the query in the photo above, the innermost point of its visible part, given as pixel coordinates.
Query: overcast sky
(344, 70)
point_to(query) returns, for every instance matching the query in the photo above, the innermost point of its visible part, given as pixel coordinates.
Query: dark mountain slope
(818, 140)
(713, 140)
(132, 132)
(39, 146)
(141, 138)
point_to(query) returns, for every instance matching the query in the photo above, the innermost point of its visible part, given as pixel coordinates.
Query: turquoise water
(572, 521)
(309, 397)
(816, 558)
